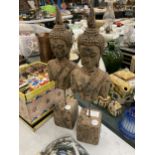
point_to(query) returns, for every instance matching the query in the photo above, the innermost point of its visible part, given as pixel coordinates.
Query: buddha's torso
(92, 84)
(59, 71)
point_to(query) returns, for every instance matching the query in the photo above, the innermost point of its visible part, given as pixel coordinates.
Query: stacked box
(88, 126)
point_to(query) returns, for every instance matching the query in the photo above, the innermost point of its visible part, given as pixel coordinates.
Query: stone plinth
(66, 115)
(88, 127)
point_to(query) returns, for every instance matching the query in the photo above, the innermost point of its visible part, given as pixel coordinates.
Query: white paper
(93, 113)
(94, 122)
(67, 107)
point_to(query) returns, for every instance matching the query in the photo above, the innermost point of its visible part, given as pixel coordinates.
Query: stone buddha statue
(90, 81)
(59, 69)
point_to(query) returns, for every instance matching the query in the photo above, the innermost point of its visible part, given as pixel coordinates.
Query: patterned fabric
(28, 43)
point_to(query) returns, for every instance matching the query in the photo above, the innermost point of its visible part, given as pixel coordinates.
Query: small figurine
(104, 102)
(61, 42)
(88, 126)
(115, 108)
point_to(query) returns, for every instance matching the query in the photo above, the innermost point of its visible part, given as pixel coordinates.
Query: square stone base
(88, 127)
(66, 115)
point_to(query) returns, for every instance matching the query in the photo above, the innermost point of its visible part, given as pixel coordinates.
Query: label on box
(93, 113)
(94, 122)
(67, 107)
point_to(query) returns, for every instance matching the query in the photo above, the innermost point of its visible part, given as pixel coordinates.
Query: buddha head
(91, 44)
(60, 38)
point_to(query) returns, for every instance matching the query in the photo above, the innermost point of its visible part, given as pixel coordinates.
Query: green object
(112, 57)
(49, 8)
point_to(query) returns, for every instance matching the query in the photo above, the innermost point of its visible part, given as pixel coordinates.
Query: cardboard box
(36, 104)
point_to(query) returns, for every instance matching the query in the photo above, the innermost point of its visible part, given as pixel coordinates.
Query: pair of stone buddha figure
(89, 81)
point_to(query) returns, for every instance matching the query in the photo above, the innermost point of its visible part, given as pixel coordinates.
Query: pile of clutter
(33, 77)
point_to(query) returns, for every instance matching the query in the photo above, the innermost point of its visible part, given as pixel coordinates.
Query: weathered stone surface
(88, 127)
(66, 115)
(90, 81)
(61, 39)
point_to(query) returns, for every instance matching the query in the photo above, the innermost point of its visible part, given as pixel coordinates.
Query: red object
(42, 83)
(119, 24)
(48, 2)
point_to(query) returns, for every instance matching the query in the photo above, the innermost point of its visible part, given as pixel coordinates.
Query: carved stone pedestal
(88, 127)
(66, 115)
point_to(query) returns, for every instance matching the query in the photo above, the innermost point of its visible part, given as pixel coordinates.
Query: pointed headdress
(91, 35)
(59, 31)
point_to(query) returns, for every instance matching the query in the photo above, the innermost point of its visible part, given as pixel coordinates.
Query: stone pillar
(88, 127)
(66, 115)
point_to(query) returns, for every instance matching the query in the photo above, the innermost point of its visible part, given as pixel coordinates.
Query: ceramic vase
(112, 57)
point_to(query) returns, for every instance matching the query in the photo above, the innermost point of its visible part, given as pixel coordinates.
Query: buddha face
(59, 48)
(90, 56)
